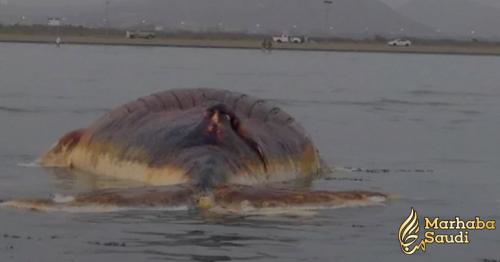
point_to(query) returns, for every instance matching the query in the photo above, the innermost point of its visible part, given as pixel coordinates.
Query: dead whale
(207, 148)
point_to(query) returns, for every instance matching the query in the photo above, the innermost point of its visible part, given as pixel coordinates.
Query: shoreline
(472, 48)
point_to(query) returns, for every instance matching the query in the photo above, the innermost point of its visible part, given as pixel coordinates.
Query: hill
(348, 18)
(458, 18)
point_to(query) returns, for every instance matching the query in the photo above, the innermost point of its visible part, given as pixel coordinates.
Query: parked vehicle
(280, 39)
(140, 34)
(296, 39)
(288, 39)
(399, 42)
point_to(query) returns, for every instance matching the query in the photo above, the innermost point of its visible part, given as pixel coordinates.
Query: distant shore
(427, 47)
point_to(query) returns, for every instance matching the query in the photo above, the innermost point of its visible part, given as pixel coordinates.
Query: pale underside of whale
(207, 148)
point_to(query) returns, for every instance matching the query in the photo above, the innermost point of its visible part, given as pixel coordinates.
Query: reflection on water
(384, 102)
(432, 93)
(39, 110)
(214, 233)
(408, 125)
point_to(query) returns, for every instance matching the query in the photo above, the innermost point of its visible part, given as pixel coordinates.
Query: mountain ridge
(354, 18)
(457, 18)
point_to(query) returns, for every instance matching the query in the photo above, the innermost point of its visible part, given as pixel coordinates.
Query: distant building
(54, 21)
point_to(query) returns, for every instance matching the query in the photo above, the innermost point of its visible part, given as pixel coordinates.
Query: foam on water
(92, 208)
(29, 164)
(246, 209)
(60, 199)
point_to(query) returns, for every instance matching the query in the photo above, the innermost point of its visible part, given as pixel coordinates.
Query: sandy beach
(428, 47)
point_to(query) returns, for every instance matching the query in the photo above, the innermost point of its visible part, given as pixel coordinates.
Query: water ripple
(449, 93)
(380, 103)
(46, 110)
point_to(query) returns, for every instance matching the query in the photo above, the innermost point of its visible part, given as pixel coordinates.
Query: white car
(399, 42)
(296, 39)
(288, 39)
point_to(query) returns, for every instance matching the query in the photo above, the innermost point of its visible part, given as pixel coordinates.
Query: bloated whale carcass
(203, 147)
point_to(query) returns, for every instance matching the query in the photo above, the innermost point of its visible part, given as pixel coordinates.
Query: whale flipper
(227, 199)
(241, 199)
(111, 200)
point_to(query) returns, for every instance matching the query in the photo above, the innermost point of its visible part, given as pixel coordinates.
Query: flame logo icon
(408, 234)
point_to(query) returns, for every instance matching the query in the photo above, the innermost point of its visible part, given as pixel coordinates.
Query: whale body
(202, 147)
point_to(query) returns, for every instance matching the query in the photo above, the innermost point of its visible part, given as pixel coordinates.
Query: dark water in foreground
(404, 113)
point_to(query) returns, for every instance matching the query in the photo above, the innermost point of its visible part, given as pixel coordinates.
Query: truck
(140, 34)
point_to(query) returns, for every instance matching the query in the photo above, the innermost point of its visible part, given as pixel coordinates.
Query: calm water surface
(432, 121)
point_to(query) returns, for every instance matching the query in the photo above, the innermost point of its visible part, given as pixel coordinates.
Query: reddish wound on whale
(214, 126)
(69, 140)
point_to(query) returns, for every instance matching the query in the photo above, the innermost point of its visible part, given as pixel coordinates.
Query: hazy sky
(400, 2)
(38, 2)
(472, 18)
